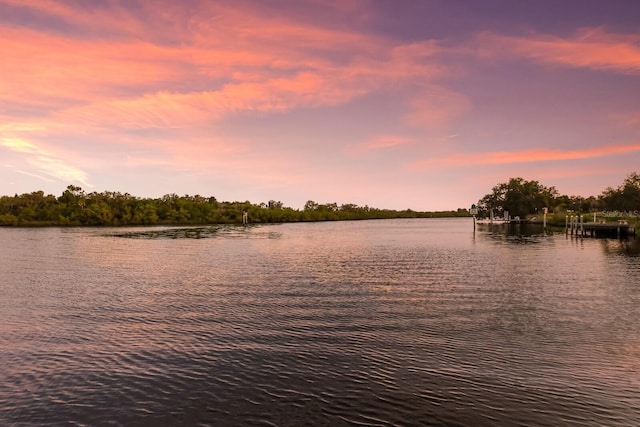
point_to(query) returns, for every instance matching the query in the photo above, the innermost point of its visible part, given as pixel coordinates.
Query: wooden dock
(575, 225)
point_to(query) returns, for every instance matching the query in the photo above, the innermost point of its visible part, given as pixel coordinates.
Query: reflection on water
(513, 233)
(395, 322)
(226, 231)
(627, 246)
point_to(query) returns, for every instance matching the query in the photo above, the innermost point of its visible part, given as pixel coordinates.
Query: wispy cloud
(43, 162)
(435, 107)
(379, 142)
(523, 156)
(18, 145)
(590, 48)
(228, 60)
(250, 92)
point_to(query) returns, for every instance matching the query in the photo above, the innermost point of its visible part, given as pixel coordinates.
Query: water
(370, 323)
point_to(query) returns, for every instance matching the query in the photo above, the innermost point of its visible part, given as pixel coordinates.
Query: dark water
(372, 323)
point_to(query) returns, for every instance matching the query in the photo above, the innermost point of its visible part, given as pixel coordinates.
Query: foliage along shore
(77, 208)
(528, 199)
(518, 197)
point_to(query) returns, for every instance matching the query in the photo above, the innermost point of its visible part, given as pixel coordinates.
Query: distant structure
(474, 212)
(575, 225)
(245, 218)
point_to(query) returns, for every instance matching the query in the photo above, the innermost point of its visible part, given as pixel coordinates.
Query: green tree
(624, 198)
(310, 205)
(74, 200)
(98, 212)
(8, 219)
(518, 197)
(145, 214)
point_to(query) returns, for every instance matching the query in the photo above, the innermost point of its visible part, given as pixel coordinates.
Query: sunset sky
(388, 103)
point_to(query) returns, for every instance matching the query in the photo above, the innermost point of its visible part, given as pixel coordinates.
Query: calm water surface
(370, 323)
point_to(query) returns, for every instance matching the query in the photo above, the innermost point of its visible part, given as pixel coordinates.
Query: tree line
(75, 207)
(524, 198)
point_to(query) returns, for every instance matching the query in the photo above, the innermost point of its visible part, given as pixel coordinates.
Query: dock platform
(621, 228)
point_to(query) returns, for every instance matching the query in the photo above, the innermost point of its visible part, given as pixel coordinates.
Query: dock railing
(576, 225)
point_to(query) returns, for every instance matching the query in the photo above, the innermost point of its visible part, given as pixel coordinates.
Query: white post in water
(544, 218)
(245, 218)
(474, 211)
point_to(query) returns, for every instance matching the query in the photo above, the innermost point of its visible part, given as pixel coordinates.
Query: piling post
(582, 225)
(577, 222)
(566, 224)
(571, 224)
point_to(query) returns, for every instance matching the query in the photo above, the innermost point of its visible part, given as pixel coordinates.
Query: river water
(368, 323)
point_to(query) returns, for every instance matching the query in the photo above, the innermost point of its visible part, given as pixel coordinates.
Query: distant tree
(73, 200)
(145, 214)
(275, 205)
(518, 197)
(310, 205)
(8, 219)
(624, 198)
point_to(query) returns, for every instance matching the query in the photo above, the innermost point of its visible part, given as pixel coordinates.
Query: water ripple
(393, 324)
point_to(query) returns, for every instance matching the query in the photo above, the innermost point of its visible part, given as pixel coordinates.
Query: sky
(396, 104)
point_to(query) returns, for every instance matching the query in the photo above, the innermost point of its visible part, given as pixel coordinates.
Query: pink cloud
(380, 142)
(175, 109)
(221, 52)
(524, 156)
(56, 71)
(625, 120)
(271, 66)
(129, 71)
(590, 48)
(435, 107)
(113, 18)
